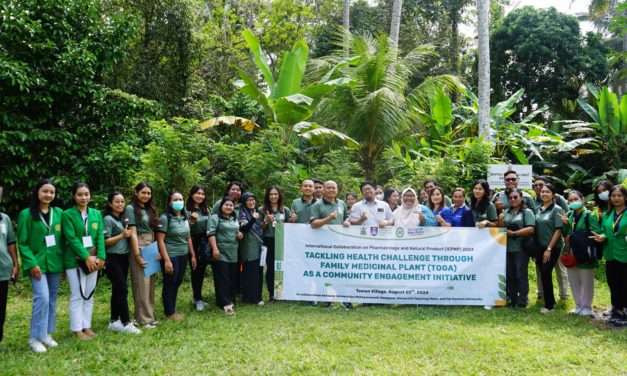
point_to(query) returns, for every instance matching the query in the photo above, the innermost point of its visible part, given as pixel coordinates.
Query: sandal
(228, 310)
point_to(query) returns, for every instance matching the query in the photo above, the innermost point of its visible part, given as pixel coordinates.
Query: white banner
(496, 178)
(394, 265)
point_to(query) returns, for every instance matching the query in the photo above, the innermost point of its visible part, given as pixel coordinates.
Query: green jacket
(74, 230)
(616, 245)
(31, 242)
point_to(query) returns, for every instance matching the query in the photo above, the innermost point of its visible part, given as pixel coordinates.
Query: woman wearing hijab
(250, 246)
(410, 213)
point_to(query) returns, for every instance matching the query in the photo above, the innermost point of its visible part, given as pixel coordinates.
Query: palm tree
(375, 109)
(483, 24)
(396, 20)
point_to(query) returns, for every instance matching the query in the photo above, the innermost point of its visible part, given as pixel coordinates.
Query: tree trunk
(346, 23)
(396, 20)
(454, 19)
(483, 9)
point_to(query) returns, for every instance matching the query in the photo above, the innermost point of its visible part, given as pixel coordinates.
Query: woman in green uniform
(520, 222)
(223, 232)
(250, 247)
(142, 219)
(175, 242)
(614, 235)
(39, 241)
(234, 190)
(580, 276)
(84, 233)
(198, 218)
(116, 235)
(483, 211)
(549, 238)
(8, 265)
(273, 212)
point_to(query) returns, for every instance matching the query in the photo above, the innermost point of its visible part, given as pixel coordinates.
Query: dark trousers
(252, 278)
(171, 283)
(198, 274)
(225, 275)
(117, 272)
(517, 279)
(546, 274)
(269, 242)
(4, 296)
(616, 272)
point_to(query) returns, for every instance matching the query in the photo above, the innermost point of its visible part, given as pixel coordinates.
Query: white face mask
(379, 197)
(604, 196)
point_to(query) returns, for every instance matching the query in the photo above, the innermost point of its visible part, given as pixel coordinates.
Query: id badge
(262, 258)
(50, 241)
(87, 242)
(273, 224)
(3, 228)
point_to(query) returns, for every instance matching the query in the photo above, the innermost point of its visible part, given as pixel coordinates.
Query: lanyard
(576, 220)
(48, 225)
(616, 222)
(86, 221)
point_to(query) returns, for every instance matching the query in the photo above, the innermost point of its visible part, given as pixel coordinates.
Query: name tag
(50, 241)
(380, 210)
(3, 228)
(87, 242)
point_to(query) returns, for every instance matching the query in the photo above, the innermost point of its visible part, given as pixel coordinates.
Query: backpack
(584, 248)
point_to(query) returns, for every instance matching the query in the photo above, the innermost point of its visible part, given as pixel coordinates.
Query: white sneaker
(49, 341)
(260, 303)
(200, 305)
(130, 328)
(37, 346)
(545, 310)
(116, 326)
(586, 312)
(488, 307)
(576, 311)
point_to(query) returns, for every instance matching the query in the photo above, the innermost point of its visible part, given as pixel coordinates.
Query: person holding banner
(250, 247)
(370, 212)
(39, 241)
(581, 276)
(301, 207)
(412, 214)
(519, 222)
(351, 199)
(428, 185)
(116, 234)
(437, 204)
(330, 210)
(223, 232)
(85, 255)
(549, 237)
(198, 217)
(390, 196)
(500, 200)
(460, 214)
(142, 221)
(483, 211)
(614, 234)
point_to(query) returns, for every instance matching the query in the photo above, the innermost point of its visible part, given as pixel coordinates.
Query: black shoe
(609, 312)
(327, 305)
(346, 305)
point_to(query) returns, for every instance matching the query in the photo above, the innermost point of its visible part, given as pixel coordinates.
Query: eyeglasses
(511, 179)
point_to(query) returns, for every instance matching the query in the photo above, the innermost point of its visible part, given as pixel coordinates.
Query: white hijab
(407, 215)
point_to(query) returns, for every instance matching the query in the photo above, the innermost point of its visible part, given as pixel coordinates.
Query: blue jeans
(44, 316)
(171, 283)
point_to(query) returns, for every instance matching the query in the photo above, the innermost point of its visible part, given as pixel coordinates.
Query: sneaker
(199, 305)
(314, 304)
(49, 341)
(488, 307)
(37, 346)
(576, 311)
(608, 312)
(115, 326)
(327, 305)
(130, 329)
(346, 305)
(149, 326)
(261, 302)
(585, 312)
(546, 310)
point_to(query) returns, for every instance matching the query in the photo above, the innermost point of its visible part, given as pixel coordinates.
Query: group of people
(235, 237)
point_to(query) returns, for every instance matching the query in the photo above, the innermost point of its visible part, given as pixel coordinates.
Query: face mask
(575, 205)
(177, 205)
(604, 196)
(379, 197)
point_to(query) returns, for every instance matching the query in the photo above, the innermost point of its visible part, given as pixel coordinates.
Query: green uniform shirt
(143, 225)
(279, 217)
(515, 221)
(559, 199)
(489, 214)
(7, 237)
(593, 221)
(200, 226)
(74, 229)
(527, 199)
(226, 236)
(547, 222)
(323, 208)
(616, 243)
(302, 209)
(113, 227)
(250, 245)
(31, 242)
(177, 232)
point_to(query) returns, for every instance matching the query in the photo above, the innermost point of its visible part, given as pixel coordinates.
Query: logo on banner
(400, 232)
(415, 231)
(374, 231)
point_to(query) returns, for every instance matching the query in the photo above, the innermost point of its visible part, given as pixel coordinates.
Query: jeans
(172, 282)
(81, 310)
(546, 273)
(44, 314)
(517, 280)
(117, 271)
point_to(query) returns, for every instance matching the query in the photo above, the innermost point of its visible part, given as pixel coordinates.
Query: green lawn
(295, 338)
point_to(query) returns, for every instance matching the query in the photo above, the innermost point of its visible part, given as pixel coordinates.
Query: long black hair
(190, 200)
(604, 206)
(110, 198)
(267, 206)
(153, 219)
(75, 189)
(482, 205)
(34, 199)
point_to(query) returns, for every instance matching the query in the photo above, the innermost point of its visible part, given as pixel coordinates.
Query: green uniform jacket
(518, 221)
(616, 245)
(74, 230)
(581, 226)
(547, 222)
(31, 242)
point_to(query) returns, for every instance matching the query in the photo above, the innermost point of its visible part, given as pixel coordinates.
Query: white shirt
(376, 211)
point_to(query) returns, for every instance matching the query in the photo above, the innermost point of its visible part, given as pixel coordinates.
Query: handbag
(584, 249)
(204, 253)
(568, 259)
(82, 264)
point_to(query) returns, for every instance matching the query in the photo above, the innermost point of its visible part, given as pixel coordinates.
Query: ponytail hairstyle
(34, 199)
(153, 219)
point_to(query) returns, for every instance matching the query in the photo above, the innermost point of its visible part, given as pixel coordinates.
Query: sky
(576, 8)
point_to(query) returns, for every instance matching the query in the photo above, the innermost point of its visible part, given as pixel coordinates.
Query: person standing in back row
(198, 218)
(500, 198)
(301, 207)
(8, 264)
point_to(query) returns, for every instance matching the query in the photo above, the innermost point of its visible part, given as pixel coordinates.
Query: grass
(296, 338)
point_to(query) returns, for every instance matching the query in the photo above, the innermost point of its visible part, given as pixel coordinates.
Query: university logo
(400, 232)
(374, 231)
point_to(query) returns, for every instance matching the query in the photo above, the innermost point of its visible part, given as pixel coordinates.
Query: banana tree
(285, 101)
